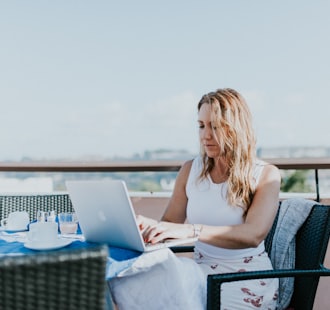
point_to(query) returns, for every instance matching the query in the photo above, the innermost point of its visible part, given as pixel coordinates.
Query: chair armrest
(215, 281)
(182, 248)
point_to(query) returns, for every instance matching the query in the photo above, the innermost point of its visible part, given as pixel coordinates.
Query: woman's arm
(255, 228)
(176, 208)
(171, 225)
(259, 218)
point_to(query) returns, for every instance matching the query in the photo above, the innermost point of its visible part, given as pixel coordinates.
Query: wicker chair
(311, 246)
(60, 202)
(62, 279)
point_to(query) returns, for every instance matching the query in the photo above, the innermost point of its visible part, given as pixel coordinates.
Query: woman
(229, 198)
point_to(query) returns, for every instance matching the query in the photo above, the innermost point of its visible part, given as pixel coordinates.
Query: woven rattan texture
(64, 279)
(34, 202)
(311, 245)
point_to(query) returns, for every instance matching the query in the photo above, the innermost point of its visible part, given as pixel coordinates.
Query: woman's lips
(210, 145)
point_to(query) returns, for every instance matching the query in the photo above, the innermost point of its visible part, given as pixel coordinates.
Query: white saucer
(12, 230)
(60, 243)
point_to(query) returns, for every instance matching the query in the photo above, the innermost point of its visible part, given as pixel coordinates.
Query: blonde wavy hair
(232, 128)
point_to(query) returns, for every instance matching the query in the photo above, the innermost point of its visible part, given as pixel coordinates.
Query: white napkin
(14, 237)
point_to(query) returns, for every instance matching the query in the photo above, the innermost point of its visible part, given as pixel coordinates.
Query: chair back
(63, 279)
(311, 245)
(59, 202)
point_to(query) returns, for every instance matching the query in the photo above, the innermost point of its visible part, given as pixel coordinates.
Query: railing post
(317, 185)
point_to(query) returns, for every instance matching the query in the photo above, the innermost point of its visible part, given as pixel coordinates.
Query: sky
(116, 78)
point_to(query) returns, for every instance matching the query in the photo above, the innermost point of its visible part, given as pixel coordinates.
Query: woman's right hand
(153, 231)
(145, 222)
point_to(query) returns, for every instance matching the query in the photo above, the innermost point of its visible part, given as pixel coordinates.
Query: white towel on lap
(160, 280)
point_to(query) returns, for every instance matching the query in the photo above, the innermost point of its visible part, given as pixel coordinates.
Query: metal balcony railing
(315, 164)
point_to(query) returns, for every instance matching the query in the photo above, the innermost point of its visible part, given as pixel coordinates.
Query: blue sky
(115, 78)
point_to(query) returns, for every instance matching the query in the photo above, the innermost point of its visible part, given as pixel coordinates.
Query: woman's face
(206, 132)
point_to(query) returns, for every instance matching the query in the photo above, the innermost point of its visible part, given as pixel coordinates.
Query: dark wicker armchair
(60, 202)
(63, 279)
(311, 246)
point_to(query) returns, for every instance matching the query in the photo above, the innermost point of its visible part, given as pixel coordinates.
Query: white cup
(43, 232)
(17, 220)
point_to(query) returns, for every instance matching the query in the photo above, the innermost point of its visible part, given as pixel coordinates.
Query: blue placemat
(118, 260)
(18, 248)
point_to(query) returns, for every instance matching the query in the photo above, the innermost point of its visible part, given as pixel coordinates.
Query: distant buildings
(294, 152)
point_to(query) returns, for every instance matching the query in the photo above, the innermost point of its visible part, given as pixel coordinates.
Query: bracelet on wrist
(197, 230)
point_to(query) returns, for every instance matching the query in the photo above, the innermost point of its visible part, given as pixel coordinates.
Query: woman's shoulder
(268, 170)
(264, 164)
(194, 162)
(265, 170)
(188, 165)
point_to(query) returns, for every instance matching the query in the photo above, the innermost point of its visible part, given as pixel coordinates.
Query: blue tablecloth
(136, 272)
(119, 259)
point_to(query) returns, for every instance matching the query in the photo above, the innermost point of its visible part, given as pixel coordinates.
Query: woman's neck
(219, 172)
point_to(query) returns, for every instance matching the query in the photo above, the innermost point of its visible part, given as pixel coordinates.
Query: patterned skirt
(246, 294)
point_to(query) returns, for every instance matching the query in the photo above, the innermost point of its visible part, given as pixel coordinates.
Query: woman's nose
(207, 134)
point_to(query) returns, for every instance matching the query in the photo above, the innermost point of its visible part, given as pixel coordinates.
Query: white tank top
(207, 205)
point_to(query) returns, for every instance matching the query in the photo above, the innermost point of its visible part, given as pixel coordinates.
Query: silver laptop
(106, 215)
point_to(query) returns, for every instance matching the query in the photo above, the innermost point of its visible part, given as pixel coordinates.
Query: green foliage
(149, 186)
(296, 182)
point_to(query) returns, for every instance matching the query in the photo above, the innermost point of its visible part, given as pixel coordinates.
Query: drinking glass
(51, 216)
(68, 223)
(41, 216)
